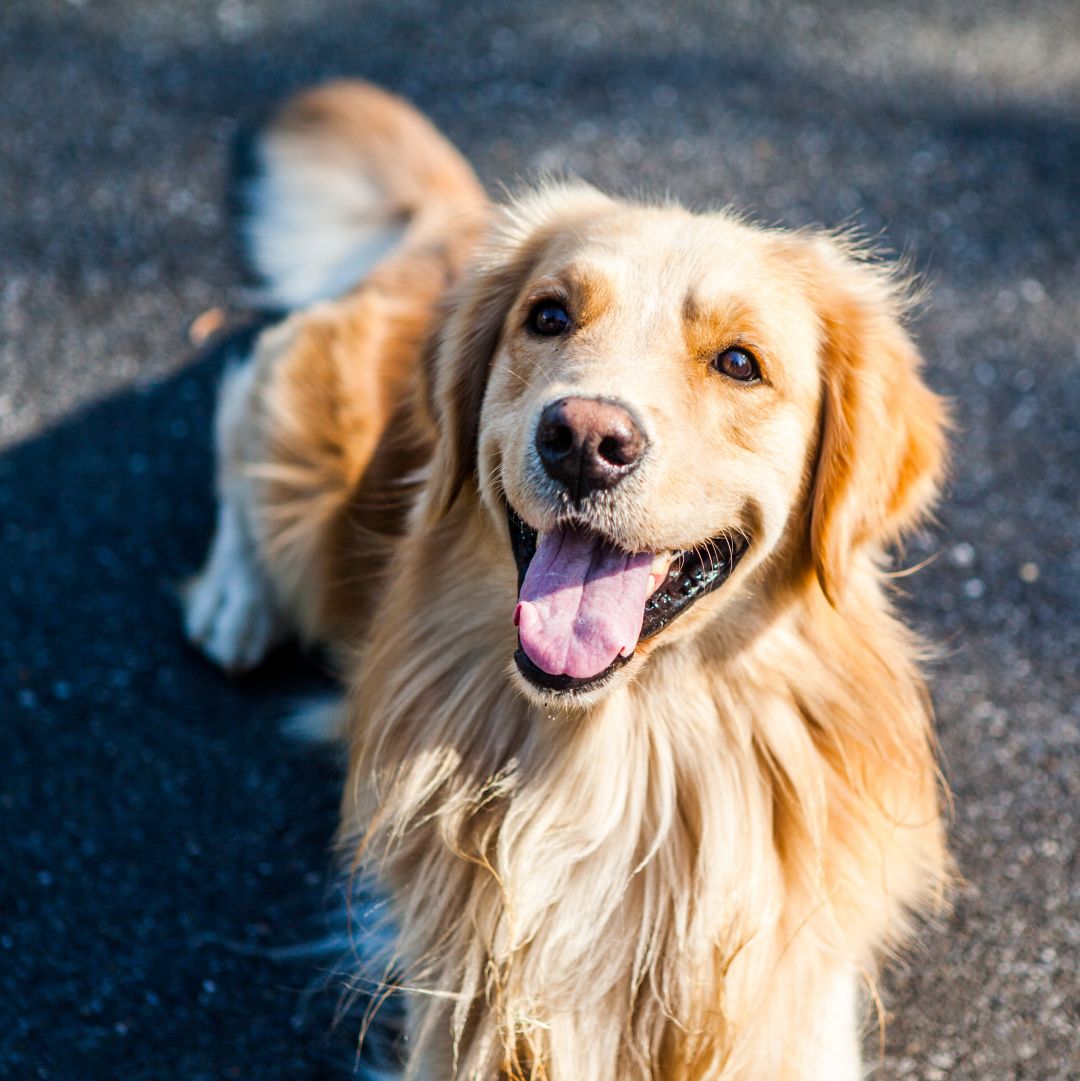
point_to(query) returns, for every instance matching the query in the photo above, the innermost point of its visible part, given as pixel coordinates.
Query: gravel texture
(160, 843)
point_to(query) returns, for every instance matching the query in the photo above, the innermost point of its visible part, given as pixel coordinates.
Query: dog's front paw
(230, 612)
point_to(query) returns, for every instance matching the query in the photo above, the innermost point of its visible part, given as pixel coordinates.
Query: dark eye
(549, 318)
(737, 364)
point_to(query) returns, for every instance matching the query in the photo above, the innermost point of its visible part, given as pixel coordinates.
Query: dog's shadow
(164, 847)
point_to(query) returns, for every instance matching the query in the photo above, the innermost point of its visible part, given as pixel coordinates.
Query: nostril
(614, 451)
(559, 439)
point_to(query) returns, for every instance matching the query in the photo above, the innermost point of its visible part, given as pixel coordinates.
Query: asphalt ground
(161, 845)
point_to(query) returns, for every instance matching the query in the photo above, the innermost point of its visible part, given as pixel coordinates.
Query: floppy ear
(459, 361)
(882, 449)
(459, 358)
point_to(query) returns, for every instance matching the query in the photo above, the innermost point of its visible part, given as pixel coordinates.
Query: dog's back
(359, 215)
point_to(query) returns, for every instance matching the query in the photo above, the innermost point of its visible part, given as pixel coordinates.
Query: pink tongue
(581, 604)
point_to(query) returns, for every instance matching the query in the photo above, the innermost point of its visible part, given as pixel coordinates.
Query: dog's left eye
(737, 364)
(549, 318)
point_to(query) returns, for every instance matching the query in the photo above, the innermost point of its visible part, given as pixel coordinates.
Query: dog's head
(661, 409)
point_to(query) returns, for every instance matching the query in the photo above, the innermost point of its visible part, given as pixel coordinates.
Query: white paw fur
(230, 611)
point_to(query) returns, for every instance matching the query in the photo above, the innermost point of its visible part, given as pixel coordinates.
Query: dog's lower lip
(563, 684)
(692, 574)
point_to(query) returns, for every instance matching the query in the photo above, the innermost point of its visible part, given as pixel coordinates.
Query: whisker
(518, 376)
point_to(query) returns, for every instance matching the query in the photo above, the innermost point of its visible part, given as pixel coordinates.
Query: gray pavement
(159, 841)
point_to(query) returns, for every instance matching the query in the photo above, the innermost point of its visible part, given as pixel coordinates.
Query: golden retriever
(590, 499)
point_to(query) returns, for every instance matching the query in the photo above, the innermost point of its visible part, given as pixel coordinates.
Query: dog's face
(656, 404)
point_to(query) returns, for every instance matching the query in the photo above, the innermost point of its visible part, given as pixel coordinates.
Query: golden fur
(686, 873)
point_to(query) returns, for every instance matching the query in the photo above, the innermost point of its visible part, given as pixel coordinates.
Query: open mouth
(584, 605)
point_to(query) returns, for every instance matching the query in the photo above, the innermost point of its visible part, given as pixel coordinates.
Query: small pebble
(962, 554)
(974, 588)
(1032, 291)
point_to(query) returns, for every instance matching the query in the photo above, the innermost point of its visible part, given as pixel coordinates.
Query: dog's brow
(716, 324)
(591, 291)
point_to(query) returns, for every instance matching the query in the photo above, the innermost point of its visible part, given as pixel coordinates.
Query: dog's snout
(588, 444)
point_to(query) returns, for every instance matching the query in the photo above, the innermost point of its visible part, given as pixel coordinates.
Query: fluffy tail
(342, 176)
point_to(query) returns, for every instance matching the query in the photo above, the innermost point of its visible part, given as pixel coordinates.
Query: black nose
(588, 444)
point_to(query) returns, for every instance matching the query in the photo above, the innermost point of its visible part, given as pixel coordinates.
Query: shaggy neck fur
(655, 859)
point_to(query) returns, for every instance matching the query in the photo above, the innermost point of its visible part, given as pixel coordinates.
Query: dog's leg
(835, 1054)
(309, 500)
(230, 609)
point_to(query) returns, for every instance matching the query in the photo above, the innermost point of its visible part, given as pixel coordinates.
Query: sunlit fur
(687, 874)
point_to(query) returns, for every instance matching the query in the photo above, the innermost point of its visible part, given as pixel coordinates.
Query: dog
(591, 501)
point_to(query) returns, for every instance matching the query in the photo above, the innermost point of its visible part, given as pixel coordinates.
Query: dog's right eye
(548, 318)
